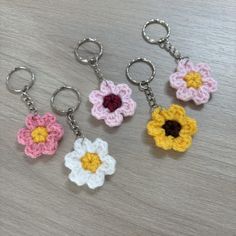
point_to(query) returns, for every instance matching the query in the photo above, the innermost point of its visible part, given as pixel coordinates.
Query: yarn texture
(171, 128)
(112, 103)
(193, 82)
(41, 135)
(90, 162)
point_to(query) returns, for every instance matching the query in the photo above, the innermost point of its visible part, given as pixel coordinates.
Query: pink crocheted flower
(112, 103)
(41, 135)
(193, 82)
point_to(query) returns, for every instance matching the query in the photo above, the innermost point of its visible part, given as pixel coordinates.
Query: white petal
(108, 165)
(79, 176)
(72, 160)
(101, 147)
(78, 144)
(96, 180)
(88, 145)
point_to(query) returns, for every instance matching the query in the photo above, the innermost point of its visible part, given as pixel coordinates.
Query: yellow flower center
(193, 80)
(39, 135)
(90, 161)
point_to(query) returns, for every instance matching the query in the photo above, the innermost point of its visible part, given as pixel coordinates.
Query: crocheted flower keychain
(111, 102)
(170, 127)
(89, 161)
(42, 132)
(192, 82)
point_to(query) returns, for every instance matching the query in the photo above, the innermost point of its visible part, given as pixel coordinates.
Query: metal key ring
(159, 22)
(85, 60)
(26, 87)
(64, 112)
(149, 63)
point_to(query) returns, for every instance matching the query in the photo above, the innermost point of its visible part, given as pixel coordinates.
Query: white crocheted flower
(90, 162)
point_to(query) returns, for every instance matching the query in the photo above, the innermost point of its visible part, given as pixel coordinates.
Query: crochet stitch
(41, 135)
(90, 162)
(172, 128)
(193, 82)
(112, 102)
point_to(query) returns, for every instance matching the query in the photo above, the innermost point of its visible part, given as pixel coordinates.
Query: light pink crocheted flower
(112, 103)
(193, 82)
(41, 135)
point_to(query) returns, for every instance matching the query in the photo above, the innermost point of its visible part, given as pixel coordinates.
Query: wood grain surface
(153, 192)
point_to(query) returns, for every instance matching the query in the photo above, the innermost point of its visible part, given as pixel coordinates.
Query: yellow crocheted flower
(172, 128)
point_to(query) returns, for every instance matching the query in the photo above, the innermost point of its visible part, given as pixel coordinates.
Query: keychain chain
(94, 64)
(28, 101)
(73, 123)
(144, 87)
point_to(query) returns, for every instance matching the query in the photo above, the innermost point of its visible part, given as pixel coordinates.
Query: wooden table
(153, 192)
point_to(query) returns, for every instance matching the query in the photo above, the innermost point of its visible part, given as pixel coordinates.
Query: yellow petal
(190, 127)
(167, 114)
(156, 113)
(154, 128)
(182, 143)
(164, 142)
(177, 111)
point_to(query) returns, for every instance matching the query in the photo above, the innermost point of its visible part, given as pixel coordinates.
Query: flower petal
(154, 128)
(128, 107)
(79, 176)
(48, 119)
(33, 121)
(201, 96)
(107, 87)
(113, 119)
(50, 147)
(72, 160)
(56, 131)
(210, 84)
(124, 91)
(185, 65)
(166, 114)
(184, 93)
(182, 143)
(177, 111)
(96, 97)
(24, 136)
(164, 142)
(101, 147)
(79, 147)
(203, 69)
(96, 180)
(189, 128)
(176, 80)
(99, 111)
(34, 150)
(108, 165)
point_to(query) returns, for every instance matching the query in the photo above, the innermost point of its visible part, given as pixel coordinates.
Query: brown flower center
(112, 102)
(172, 128)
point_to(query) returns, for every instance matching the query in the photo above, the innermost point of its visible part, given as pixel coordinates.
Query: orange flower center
(193, 80)
(39, 134)
(90, 161)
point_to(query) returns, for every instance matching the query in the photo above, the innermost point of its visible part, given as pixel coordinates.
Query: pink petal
(34, 150)
(128, 107)
(49, 118)
(210, 84)
(96, 97)
(203, 69)
(99, 111)
(184, 93)
(176, 80)
(185, 65)
(56, 131)
(24, 136)
(33, 121)
(201, 96)
(107, 87)
(113, 119)
(124, 90)
(50, 147)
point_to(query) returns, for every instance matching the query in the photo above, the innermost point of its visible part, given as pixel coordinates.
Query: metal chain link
(173, 51)
(74, 125)
(144, 87)
(94, 64)
(28, 101)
